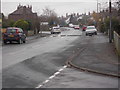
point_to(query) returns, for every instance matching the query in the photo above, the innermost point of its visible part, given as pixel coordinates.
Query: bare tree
(50, 16)
(49, 12)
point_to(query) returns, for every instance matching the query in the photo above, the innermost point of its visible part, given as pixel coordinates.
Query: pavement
(99, 55)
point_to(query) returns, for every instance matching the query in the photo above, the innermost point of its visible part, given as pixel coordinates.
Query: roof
(23, 10)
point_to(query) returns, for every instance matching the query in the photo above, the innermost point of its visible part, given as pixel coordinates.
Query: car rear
(12, 34)
(55, 30)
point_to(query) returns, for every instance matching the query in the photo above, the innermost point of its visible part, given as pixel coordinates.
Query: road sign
(44, 23)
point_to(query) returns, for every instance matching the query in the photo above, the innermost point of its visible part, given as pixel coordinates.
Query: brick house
(23, 12)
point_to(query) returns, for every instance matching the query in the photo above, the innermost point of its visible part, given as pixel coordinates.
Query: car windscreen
(55, 28)
(11, 30)
(90, 27)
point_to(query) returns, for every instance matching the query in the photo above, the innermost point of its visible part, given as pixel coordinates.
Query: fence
(117, 42)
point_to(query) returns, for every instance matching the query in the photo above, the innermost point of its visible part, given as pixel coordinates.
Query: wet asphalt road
(29, 65)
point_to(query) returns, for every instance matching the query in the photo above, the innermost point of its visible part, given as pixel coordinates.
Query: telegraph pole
(97, 6)
(110, 30)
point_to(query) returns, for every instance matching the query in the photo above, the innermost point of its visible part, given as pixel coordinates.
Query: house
(23, 12)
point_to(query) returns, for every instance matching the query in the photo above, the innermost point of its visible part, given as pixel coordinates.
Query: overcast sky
(60, 6)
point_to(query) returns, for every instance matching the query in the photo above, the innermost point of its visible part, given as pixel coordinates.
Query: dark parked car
(14, 34)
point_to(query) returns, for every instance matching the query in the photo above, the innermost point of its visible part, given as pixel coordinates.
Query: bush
(104, 26)
(22, 24)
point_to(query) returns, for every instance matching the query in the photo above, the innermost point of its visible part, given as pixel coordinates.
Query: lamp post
(110, 30)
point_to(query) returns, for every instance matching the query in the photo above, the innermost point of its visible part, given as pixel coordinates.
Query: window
(11, 30)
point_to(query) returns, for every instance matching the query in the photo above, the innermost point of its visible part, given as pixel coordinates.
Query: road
(36, 60)
(32, 64)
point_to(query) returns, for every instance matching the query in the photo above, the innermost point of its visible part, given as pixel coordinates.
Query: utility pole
(97, 6)
(110, 30)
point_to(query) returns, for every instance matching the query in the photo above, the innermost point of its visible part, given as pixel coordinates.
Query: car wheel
(86, 34)
(95, 33)
(24, 41)
(20, 41)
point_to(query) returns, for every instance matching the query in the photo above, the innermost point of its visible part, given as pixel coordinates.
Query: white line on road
(51, 77)
(60, 70)
(57, 73)
(46, 81)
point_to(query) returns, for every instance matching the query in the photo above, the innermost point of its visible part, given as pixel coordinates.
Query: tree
(49, 12)
(11, 23)
(22, 24)
(50, 16)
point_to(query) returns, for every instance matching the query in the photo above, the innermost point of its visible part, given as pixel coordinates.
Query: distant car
(90, 30)
(55, 30)
(76, 27)
(14, 34)
(84, 28)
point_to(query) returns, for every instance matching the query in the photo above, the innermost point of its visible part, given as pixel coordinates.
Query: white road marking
(46, 81)
(65, 67)
(39, 86)
(60, 70)
(51, 77)
(56, 73)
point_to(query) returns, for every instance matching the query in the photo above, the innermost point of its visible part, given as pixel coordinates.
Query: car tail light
(17, 31)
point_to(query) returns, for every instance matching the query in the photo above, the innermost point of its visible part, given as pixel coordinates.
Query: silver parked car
(55, 30)
(91, 30)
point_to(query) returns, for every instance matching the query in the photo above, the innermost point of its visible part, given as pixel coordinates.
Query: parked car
(76, 27)
(84, 28)
(14, 34)
(55, 30)
(91, 30)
